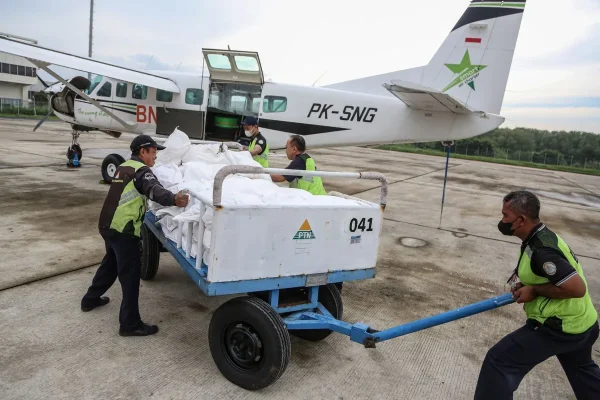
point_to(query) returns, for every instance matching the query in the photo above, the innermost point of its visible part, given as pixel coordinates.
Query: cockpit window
(95, 82)
(105, 90)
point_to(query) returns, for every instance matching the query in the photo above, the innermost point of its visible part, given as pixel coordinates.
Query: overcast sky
(554, 83)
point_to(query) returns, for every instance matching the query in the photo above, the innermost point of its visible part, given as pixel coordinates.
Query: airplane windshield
(95, 82)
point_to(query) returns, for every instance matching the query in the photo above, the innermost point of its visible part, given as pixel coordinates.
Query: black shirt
(260, 141)
(147, 183)
(549, 263)
(297, 163)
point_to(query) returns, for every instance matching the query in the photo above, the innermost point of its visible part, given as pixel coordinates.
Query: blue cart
(249, 336)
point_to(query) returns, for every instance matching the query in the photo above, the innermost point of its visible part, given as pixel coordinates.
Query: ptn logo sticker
(305, 232)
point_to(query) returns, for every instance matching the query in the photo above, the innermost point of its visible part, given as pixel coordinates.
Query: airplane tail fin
(473, 63)
(471, 66)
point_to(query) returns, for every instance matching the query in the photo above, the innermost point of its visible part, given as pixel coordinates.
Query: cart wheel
(330, 297)
(249, 342)
(150, 251)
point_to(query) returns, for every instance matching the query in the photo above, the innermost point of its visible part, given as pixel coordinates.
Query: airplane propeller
(45, 117)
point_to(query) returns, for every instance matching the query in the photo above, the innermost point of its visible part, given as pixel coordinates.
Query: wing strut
(44, 67)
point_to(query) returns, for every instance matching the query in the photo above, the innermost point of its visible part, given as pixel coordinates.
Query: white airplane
(457, 95)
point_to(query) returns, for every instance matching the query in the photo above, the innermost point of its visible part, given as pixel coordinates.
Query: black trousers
(122, 260)
(515, 355)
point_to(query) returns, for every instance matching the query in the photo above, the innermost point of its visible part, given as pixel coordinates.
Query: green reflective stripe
(576, 314)
(312, 184)
(132, 205)
(496, 4)
(262, 159)
(126, 197)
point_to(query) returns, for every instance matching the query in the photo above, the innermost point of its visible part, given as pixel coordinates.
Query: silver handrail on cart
(246, 169)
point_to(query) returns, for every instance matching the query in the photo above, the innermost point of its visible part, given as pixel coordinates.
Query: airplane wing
(419, 97)
(41, 55)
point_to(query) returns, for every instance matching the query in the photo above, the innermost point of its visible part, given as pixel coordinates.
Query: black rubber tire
(74, 149)
(252, 319)
(110, 161)
(339, 285)
(331, 299)
(150, 253)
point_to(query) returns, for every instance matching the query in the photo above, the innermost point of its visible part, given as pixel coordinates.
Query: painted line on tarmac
(408, 179)
(48, 276)
(475, 235)
(578, 185)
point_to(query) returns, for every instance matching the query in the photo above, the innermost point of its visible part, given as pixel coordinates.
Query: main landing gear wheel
(249, 342)
(331, 299)
(109, 166)
(150, 252)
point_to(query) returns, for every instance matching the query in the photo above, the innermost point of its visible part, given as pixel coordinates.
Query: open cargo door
(233, 66)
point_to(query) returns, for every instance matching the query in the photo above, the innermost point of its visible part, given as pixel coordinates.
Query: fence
(546, 157)
(34, 106)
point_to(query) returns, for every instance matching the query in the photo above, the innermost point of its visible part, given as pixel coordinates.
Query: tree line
(559, 147)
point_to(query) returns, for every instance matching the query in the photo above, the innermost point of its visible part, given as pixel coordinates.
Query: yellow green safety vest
(262, 159)
(312, 184)
(575, 315)
(132, 205)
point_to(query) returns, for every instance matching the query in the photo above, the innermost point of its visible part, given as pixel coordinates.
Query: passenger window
(139, 92)
(274, 104)
(194, 96)
(164, 96)
(245, 63)
(105, 90)
(219, 61)
(121, 90)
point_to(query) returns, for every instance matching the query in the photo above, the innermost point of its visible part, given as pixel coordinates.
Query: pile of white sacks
(183, 166)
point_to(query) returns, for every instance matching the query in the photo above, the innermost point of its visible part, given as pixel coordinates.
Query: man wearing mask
(120, 224)
(561, 319)
(258, 148)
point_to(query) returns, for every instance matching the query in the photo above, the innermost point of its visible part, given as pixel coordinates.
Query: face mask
(248, 132)
(506, 227)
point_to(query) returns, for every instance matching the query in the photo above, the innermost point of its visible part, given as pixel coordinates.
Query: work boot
(142, 330)
(89, 305)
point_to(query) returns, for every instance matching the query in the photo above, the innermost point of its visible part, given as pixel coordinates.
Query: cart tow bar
(368, 337)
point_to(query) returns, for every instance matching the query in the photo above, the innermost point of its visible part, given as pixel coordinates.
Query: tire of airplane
(109, 166)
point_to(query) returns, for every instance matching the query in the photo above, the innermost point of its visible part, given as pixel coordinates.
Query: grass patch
(25, 116)
(431, 152)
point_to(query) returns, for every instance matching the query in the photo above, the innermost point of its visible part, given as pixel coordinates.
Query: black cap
(250, 120)
(144, 141)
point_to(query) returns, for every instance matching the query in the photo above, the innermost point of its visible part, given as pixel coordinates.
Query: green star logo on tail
(466, 71)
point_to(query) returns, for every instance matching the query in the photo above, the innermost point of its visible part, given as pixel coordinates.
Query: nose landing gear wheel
(109, 166)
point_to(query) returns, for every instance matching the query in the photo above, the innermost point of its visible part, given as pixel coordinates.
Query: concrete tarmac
(50, 249)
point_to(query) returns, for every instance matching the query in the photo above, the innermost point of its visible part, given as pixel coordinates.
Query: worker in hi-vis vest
(561, 319)
(258, 148)
(120, 223)
(295, 149)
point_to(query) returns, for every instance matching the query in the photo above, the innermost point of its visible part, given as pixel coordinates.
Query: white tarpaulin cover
(184, 166)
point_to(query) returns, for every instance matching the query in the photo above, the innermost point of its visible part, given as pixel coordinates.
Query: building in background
(17, 75)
